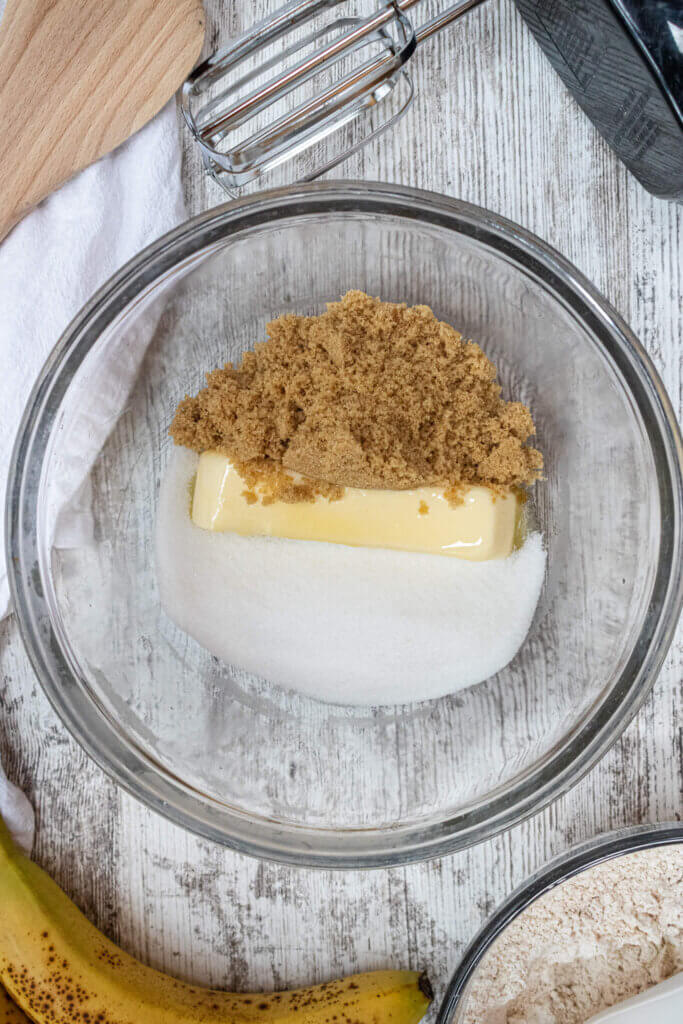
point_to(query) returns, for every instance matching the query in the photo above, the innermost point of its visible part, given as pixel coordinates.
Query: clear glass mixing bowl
(231, 756)
(560, 869)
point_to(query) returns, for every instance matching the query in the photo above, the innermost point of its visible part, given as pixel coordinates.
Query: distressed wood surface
(492, 124)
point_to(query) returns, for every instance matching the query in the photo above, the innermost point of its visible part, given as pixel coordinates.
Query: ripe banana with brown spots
(10, 1012)
(60, 969)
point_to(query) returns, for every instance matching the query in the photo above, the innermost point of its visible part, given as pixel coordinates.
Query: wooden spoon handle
(79, 77)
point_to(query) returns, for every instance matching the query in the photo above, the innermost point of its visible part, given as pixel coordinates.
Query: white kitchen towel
(16, 812)
(53, 261)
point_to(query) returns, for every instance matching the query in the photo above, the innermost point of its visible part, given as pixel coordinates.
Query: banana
(61, 970)
(10, 1012)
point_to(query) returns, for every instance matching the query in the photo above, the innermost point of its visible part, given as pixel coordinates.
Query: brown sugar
(369, 394)
(266, 481)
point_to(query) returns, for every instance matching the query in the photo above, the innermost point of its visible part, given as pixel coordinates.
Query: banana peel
(10, 1012)
(59, 969)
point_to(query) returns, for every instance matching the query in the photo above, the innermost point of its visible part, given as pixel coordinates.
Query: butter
(483, 526)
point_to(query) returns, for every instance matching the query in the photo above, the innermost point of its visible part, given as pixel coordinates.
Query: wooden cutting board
(77, 77)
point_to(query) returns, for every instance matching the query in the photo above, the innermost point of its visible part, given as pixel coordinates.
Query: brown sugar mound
(369, 394)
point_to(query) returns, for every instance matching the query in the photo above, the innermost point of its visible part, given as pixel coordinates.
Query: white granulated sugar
(343, 624)
(601, 937)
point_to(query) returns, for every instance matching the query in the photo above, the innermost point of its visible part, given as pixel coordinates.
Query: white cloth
(17, 813)
(53, 261)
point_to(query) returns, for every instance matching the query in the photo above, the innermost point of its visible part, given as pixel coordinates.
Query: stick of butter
(484, 525)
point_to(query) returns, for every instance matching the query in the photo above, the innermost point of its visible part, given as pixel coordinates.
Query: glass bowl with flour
(596, 926)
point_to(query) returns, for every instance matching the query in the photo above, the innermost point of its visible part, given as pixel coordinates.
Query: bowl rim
(558, 870)
(152, 783)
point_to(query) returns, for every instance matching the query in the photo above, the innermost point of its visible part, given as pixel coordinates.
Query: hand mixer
(310, 73)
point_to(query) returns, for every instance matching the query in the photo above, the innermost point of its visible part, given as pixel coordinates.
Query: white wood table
(492, 124)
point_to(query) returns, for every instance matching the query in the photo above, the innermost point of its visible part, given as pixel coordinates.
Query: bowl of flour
(595, 926)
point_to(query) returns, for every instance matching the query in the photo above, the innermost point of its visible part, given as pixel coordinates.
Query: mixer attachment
(305, 85)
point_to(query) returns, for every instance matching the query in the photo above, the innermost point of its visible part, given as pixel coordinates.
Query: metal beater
(244, 105)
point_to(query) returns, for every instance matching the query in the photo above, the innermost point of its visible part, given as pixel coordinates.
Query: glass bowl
(232, 757)
(605, 847)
